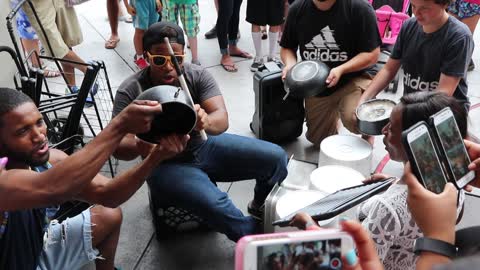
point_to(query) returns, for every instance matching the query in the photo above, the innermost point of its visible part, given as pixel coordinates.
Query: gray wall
(7, 67)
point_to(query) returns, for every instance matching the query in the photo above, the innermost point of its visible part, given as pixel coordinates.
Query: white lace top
(388, 219)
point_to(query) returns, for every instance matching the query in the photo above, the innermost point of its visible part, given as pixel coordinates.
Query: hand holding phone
(293, 250)
(423, 157)
(473, 150)
(452, 148)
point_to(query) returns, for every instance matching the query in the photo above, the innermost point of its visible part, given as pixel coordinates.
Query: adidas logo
(417, 84)
(324, 47)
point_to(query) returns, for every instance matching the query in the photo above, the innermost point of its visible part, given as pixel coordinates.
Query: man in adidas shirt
(434, 50)
(344, 35)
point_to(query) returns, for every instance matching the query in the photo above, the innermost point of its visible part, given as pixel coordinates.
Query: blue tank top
(22, 241)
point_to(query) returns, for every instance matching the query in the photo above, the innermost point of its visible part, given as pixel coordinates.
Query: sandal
(229, 67)
(111, 43)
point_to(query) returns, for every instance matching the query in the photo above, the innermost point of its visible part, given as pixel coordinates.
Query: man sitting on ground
(37, 178)
(188, 180)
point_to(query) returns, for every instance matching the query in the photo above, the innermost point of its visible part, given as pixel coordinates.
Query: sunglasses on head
(161, 60)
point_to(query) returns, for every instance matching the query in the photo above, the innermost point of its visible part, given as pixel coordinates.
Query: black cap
(158, 31)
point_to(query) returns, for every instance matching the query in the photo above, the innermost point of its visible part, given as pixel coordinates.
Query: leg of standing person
(63, 31)
(257, 16)
(225, 12)
(275, 18)
(212, 33)
(190, 17)
(113, 10)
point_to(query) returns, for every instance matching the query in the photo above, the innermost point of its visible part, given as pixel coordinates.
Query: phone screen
(453, 147)
(427, 161)
(322, 254)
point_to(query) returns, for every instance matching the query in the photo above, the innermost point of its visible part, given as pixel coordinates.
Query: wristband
(435, 246)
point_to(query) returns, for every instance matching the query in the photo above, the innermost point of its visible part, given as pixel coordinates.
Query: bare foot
(236, 52)
(228, 64)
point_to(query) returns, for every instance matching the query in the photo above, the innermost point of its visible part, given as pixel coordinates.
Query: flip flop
(242, 55)
(111, 43)
(229, 68)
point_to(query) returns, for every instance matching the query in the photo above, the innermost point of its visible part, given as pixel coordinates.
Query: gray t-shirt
(425, 56)
(200, 82)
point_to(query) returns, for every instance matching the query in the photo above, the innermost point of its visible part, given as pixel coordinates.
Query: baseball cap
(157, 31)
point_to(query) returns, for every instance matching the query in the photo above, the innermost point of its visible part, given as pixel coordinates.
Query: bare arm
(448, 84)
(23, 189)
(289, 58)
(357, 63)
(212, 116)
(381, 80)
(113, 192)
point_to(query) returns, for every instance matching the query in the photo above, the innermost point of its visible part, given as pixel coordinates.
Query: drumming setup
(344, 160)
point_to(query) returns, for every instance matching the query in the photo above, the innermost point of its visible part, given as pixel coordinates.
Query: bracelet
(435, 246)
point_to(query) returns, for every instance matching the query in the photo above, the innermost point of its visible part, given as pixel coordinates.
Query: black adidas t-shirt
(334, 36)
(425, 56)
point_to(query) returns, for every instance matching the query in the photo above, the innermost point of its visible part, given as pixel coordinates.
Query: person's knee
(107, 217)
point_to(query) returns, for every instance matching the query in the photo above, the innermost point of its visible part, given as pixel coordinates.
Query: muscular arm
(127, 149)
(381, 80)
(217, 120)
(23, 189)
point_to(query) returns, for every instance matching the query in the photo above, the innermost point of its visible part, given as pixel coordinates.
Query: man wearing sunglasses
(188, 181)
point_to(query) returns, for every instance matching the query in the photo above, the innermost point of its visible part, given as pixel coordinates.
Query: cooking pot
(373, 115)
(178, 114)
(306, 79)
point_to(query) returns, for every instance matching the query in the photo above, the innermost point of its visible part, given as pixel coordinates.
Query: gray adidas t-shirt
(200, 82)
(425, 56)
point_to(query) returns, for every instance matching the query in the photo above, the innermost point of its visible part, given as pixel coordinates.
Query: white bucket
(346, 150)
(331, 178)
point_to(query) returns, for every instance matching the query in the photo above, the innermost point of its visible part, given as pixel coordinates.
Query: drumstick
(181, 78)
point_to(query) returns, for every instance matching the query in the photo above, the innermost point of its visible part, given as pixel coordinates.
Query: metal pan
(306, 79)
(373, 115)
(178, 114)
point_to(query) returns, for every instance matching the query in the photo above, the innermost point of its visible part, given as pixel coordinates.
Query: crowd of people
(434, 49)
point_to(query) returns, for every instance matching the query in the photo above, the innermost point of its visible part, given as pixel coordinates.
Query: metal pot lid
(375, 110)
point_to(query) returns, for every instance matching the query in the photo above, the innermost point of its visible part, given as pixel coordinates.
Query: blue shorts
(146, 13)
(24, 28)
(463, 9)
(68, 245)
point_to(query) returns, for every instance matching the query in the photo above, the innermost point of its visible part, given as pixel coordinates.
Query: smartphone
(423, 157)
(452, 148)
(293, 250)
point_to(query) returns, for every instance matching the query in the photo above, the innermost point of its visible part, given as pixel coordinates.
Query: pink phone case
(242, 243)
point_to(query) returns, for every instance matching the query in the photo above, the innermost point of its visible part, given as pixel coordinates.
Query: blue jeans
(189, 180)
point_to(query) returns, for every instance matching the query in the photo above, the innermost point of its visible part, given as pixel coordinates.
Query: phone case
(309, 235)
(440, 152)
(408, 150)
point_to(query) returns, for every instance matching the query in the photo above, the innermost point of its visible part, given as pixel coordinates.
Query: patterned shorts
(24, 28)
(464, 9)
(189, 15)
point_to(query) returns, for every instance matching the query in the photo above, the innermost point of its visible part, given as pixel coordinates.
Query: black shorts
(265, 12)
